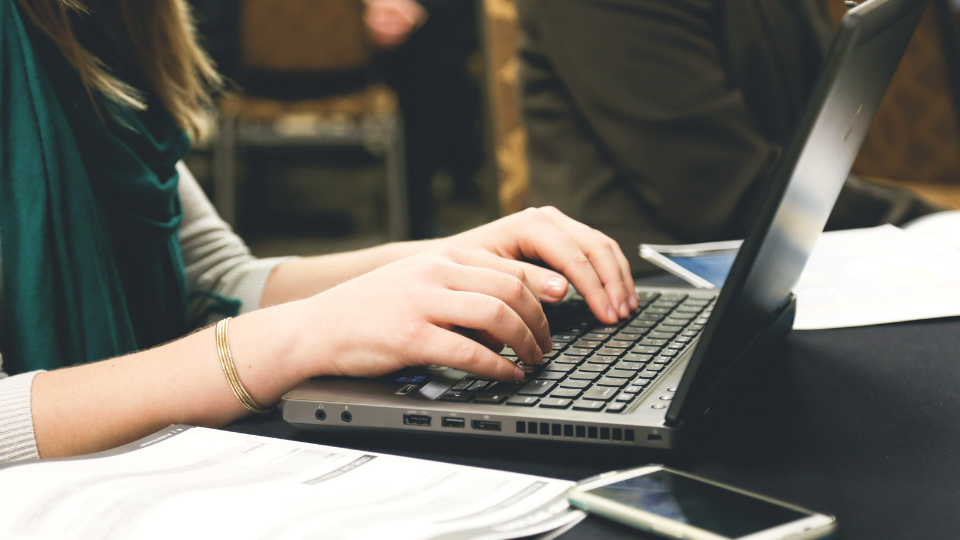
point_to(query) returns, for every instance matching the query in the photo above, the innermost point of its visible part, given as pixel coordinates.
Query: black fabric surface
(861, 423)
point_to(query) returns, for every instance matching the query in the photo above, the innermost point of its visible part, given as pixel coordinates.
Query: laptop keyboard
(597, 367)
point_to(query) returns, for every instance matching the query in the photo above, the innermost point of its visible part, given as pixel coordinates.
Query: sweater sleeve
(17, 440)
(216, 259)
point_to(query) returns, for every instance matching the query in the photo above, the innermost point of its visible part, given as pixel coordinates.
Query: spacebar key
(537, 387)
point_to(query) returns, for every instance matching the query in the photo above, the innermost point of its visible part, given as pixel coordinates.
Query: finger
(632, 297)
(483, 338)
(548, 243)
(602, 256)
(506, 288)
(445, 348)
(485, 259)
(486, 313)
(548, 285)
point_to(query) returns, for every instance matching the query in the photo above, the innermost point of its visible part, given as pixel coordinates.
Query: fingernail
(624, 310)
(518, 374)
(634, 302)
(556, 287)
(612, 314)
(538, 355)
(547, 346)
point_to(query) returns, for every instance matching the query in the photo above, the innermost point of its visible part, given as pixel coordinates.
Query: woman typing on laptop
(110, 251)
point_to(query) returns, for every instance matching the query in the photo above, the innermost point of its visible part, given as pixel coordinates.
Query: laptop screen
(801, 194)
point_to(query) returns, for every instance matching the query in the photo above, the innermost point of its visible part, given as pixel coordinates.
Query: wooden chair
(292, 44)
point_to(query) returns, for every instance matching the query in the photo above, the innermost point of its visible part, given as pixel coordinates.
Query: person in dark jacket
(658, 121)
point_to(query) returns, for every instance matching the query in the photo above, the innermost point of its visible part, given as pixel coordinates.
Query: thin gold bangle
(230, 370)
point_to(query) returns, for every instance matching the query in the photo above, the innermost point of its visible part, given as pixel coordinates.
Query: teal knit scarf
(89, 212)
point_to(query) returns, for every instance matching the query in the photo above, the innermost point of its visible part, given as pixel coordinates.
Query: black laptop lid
(862, 60)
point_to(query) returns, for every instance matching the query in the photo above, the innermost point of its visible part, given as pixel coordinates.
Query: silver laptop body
(731, 333)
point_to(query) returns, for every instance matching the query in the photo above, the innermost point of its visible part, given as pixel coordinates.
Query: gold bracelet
(230, 370)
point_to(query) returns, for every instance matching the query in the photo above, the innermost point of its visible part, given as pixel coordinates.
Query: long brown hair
(160, 35)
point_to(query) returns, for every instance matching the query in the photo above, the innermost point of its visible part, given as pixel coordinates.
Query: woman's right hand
(416, 311)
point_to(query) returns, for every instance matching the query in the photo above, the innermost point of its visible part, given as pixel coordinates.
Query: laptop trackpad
(441, 381)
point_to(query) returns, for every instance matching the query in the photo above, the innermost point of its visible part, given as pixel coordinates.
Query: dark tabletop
(861, 423)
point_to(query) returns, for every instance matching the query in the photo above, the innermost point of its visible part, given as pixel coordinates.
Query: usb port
(485, 425)
(416, 420)
(449, 421)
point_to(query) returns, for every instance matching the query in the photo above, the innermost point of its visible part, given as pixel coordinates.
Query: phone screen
(698, 504)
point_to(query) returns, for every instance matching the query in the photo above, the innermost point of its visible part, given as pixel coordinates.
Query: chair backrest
(303, 36)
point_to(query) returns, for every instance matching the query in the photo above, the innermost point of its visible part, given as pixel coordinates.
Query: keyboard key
(462, 385)
(660, 335)
(508, 351)
(690, 333)
(654, 367)
(605, 330)
(552, 354)
(648, 374)
(668, 353)
(628, 336)
(551, 375)
(618, 344)
(669, 328)
(675, 297)
(596, 337)
(645, 349)
(641, 381)
(601, 359)
(616, 407)
(563, 338)
(576, 384)
(607, 351)
(601, 393)
(555, 403)
(523, 401)
(626, 397)
(594, 368)
(629, 366)
(456, 395)
(565, 393)
(662, 360)
(564, 359)
(613, 382)
(504, 388)
(647, 296)
(633, 389)
(634, 357)
(689, 309)
(586, 344)
(537, 387)
(588, 405)
(677, 321)
(647, 342)
(576, 351)
(675, 346)
(490, 398)
(656, 310)
(560, 368)
(621, 374)
(581, 375)
(683, 339)
(478, 385)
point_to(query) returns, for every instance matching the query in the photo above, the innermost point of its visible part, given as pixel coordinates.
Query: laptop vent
(574, 431)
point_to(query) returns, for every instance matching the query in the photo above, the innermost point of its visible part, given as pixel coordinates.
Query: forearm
(102, 405)
(307, 276)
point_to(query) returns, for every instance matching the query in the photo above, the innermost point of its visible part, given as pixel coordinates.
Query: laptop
(643, 381)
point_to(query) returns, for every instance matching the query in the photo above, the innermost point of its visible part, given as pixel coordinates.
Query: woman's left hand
(591, 260)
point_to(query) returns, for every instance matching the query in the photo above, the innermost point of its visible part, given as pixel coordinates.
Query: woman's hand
(416, 311)
(591, 260)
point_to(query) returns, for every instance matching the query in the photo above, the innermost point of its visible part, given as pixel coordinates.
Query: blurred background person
(425, 50)
(657, 121)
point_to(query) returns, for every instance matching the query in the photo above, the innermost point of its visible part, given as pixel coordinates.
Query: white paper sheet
(875, 276)
(203, 484)
(942, 228)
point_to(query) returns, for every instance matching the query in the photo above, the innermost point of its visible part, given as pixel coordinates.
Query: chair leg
(396, 176)
(225, 170)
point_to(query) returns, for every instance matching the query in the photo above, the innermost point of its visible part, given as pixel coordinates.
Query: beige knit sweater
(216, 260)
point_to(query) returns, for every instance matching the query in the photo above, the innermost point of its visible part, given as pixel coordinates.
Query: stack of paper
(199, 483)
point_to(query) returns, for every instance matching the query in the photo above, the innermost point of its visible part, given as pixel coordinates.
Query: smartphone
(679, 505)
